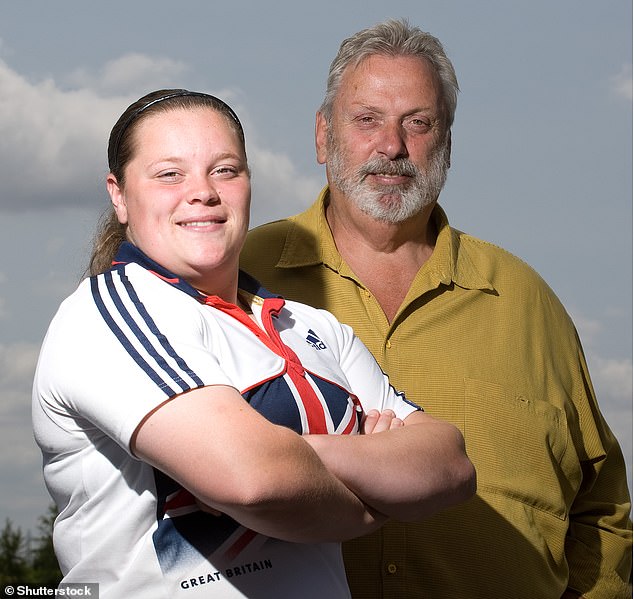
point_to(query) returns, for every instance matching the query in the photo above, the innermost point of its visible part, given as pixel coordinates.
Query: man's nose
(391, 141)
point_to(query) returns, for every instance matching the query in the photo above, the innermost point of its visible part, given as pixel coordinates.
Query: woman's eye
(225, 170)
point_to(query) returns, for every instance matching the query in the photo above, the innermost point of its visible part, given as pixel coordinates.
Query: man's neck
(384, 256)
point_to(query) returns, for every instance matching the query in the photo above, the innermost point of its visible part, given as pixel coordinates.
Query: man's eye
(420, 124)
(366, 120)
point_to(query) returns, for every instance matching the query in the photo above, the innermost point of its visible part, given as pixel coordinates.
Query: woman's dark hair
(120, 145)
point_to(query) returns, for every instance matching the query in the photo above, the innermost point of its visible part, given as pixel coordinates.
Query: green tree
(43, 563)
(13, 563)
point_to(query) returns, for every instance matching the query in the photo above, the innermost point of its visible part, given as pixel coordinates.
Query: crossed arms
(310, 488)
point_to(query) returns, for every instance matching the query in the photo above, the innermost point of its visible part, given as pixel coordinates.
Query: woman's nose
(204, 190)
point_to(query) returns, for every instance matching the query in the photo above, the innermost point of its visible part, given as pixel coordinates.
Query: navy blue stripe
(162, 339)
(154, 376)
(275, 401)
(335, 397)
(141, 337)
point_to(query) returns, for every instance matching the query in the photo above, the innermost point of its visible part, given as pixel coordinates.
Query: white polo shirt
(135, 336)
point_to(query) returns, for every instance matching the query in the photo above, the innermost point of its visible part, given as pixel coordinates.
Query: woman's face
(186, 195)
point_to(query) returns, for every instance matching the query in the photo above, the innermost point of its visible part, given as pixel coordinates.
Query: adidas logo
(315, 341)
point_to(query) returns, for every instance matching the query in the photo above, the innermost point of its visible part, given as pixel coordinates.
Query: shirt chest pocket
(521, 447)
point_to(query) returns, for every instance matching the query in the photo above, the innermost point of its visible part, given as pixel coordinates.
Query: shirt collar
(450, 261)
(129, 253)
(310, 242)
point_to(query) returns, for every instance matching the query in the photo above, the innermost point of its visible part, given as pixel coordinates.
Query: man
(466, 330)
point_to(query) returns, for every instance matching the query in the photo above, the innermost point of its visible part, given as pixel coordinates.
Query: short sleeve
(119, 347)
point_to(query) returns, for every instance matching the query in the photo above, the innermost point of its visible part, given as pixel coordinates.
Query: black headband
(174, 94)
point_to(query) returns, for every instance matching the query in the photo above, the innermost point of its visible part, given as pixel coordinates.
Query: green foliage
(13, 563)
(29, 561)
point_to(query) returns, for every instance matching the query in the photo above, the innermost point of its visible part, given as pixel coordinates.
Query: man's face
(386, 148)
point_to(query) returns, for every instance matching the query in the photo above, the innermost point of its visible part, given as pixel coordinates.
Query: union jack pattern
(296, 398)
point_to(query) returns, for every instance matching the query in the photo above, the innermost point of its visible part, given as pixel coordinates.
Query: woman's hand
(377, 422)
(406, 469)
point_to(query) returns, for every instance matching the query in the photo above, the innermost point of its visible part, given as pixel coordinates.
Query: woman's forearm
(302, 501)
(408, 472)
(265, 476)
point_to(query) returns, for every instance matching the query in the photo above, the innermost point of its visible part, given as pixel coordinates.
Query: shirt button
(391, 568)
(388, 344)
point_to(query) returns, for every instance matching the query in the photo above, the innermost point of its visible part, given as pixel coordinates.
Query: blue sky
(542, 151)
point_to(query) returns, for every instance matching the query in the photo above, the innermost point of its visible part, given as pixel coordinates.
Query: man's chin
(390, 199)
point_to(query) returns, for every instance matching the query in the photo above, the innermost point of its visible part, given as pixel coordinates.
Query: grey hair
(393, 38)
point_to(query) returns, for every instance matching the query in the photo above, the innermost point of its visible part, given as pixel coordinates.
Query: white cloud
(3, 302)
(615, 378)
(279, 190)
(17, 366)
(24, 495)
(612, 381)
(130, 72)
(588, 329)
(52, 148)
(4, 48)
(53, 140)
(622, 82)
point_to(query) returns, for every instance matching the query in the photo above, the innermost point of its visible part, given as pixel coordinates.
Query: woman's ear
(118, 198)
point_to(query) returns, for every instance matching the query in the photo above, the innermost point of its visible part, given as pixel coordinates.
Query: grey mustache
(400, 166)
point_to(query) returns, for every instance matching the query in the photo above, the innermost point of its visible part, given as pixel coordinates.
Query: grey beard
(390, 204)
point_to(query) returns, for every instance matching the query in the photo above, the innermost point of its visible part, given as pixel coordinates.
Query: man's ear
(117, 197)
(321, 137)
(448, 150)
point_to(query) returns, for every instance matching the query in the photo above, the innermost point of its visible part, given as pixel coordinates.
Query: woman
(199, 433)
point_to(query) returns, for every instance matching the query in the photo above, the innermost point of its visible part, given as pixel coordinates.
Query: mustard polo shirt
(480, 341)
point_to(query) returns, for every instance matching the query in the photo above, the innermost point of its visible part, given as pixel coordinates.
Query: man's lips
(389, 172)
(389, 179)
